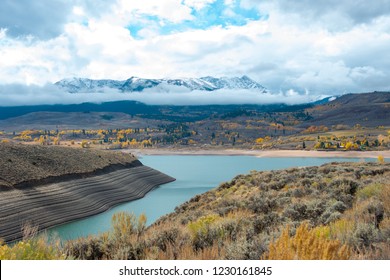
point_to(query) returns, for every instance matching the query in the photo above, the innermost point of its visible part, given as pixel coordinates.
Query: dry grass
(306, 244)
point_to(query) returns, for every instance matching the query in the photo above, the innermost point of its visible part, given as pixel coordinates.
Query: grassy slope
(31, 164)
(344, 203)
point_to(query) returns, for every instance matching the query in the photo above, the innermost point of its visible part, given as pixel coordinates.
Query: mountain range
(135, 84)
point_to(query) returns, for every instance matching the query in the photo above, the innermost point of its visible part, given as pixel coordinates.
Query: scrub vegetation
(334, 211)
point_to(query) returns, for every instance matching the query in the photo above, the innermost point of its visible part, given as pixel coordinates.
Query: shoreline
(260, 153)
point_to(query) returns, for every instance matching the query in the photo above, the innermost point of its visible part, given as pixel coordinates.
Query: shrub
(306, 244)
(89, 248)
(345, 186)
(338, 206)
(238, 250)
(165, 237)
(32, 249)
(314, 209)
(265, 222)
(372, 190)
(201, 232)
(125, 224)
(123, 241)
(296, 211)
(365, 235)
(261, 204)
(385, 198)
(385, 230)
(333, 217)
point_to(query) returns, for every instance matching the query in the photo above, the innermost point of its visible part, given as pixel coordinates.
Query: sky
(308, 48)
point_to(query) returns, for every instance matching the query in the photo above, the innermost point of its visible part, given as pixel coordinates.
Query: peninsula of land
(41, 187)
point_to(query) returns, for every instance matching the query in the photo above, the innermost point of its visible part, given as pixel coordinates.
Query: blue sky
(215, 13)
(300, 47)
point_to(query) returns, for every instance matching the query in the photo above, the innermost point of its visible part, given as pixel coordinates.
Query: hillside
(29, 165)
(342, 210)
(366, 109)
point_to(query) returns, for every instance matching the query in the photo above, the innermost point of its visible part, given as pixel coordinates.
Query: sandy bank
(266, 153)
(54, 204)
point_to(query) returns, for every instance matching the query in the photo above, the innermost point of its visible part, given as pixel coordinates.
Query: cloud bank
(322, 48)
(20, 95)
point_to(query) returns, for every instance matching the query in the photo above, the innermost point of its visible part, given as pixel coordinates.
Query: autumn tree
(56, 140)
(85, 144)
(259, 140)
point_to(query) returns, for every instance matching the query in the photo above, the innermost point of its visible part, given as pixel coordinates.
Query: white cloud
(17, 94)
(89, 43)
(198, 4)
(36, 62)
(221, 97)
(304, 47)
(78, 11)
(333, 14)
(170, 10)
(229, 2)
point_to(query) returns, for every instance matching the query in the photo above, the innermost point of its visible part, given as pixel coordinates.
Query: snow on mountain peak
(135, 84)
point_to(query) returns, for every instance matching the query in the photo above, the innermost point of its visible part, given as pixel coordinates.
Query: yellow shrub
(124, 225)
(31, 249)
(306, 244)
(323, 231)
(202, 225)
(342, 228)
(372, 190)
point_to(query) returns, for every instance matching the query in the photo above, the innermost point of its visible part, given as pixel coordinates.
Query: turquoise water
(194, 175)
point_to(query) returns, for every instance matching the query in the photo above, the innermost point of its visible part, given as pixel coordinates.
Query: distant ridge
(135, 84)
(367, 109)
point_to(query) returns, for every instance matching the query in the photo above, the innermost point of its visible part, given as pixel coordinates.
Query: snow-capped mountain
(135, 84)
(74, 85)
(234, 83)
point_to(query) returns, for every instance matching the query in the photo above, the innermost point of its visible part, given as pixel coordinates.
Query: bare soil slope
(30, 165)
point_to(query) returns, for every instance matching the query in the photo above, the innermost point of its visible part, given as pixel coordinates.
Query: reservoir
(194, 175)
